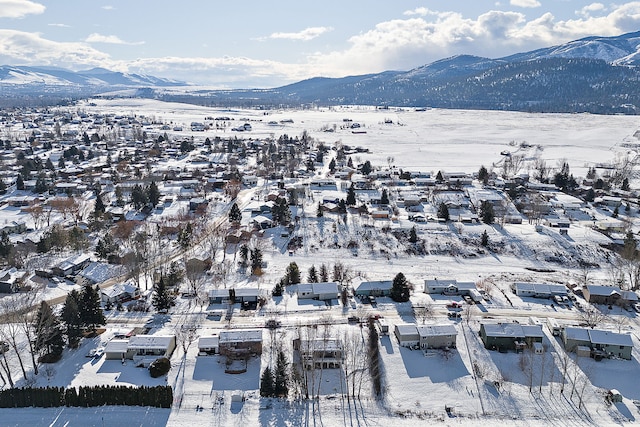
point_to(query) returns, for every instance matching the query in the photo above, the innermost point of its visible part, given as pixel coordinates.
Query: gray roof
(379, 284)
(241, 336)
(609, 338)
(577, 334)
(513, 330)
(436, 330)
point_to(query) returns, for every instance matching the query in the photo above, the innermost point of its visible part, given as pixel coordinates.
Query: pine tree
(413, 235)
(235, 215)
(400, 291)
(256, 261)
(71, 317)
(278, 289)
(443, 211)
(293, 274)
(153, 194)
(98, 208)
(488, 215)
(90, 311)
(484, 239)
(384, 199)
(162, 299)
(106, 247)
(47, 331)
(351, 196)
(312, 275)
(20, 183)
(281, 388)
(324, 273)
(319, 213)
(483, 175)
(267, 383)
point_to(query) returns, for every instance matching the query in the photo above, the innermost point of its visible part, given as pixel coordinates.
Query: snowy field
(418, 386)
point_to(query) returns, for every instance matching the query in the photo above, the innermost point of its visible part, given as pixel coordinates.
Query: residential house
(208, 346)
(437, 336)
(238, 343)
(407, 335)
(10, 280)
(509, 336)
(379, 288)
(71, 265)
(322, 291)
(319, 353)
(609, 295)
(119, 293)
(142, 349)
(538, 290)
(600, 343)
(448, 287)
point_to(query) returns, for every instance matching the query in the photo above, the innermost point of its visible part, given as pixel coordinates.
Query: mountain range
(592, 74)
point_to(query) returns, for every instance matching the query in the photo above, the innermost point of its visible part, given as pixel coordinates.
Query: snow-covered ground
(418, 386)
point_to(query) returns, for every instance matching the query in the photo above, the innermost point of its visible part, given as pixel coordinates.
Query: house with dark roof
(601, 343)
(510, 336)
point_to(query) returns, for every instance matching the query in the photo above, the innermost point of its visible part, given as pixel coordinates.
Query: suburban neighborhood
(258, 261)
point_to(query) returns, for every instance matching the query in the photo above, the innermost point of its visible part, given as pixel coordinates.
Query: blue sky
(230, 44)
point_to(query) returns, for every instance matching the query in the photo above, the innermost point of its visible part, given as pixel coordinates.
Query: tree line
(90, 396)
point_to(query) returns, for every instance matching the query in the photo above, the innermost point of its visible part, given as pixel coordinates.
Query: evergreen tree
(312, 275)
(175, 275)
(484, 239)
(3, 186)
(439, 177)
(351, 196)
(256, 261)
(267, 383)
(71, 317)
(48, 334)
(5, 245)
(138, 196)
(366, 168)
(413, 235)
(332, 165)
(153, 194)
(616, 212)
(625, 185)
(443, 211)
(19, 183)
(319, 213)
(98, 208)
(483, 175)
(244, 255)
(184, 236)
(384, 199)
(590, 196)
(292, 274)
(162, 299)
(91, 314)
(278, 289)
(400, 291)
(235, 215)
(281, 387)
(106, 247)
(324, 273)
(41, 185)
(487, 212)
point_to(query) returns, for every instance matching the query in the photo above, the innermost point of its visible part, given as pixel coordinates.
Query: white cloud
(406, 43)
(525, 3)
(59, 25)
(19, 47)
(19, 8)
(99, 38)
(108, 7)
(419, 11)
(304, 35)
(588, 10)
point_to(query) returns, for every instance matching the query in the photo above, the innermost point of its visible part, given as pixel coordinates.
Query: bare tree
(424, 312)
(591, 316)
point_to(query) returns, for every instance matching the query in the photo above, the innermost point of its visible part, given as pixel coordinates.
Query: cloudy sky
(257, 43)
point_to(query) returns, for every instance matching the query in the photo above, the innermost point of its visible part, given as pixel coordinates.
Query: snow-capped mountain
(96, 77)
(624, 49)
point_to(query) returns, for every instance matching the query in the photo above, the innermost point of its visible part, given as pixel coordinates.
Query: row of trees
(53, 397)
